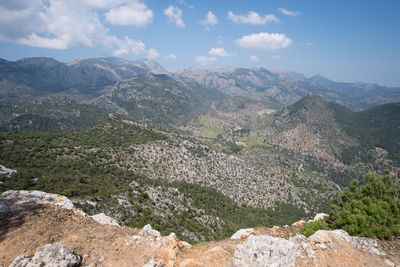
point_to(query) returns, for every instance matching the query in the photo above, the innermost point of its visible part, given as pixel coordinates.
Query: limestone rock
(153, 263)
(51, 255)
(321, 239)
(299, 223)
(242, 233)
(12, 200)
(367, 244)
(148, 231)
(104, 219)
(320, 217)
(265, 251)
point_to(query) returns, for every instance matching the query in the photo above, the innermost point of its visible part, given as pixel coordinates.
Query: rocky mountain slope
(159, 98)
(137, 172)
(335, 135)
(86, 76)
(53, 232)
(278, 88)
(143, 88)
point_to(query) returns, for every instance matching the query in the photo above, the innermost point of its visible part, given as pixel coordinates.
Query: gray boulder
(12, 200)
(54, 255)
(263, 251)
(104, 219)
(148, 231)
(153, 263)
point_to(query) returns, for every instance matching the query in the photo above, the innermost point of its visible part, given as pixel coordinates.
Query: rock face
(12, 200)
(265, 251)
(148, 231)
(320, 217)
(104, 219)
(54, 255)
(6, 171)
(242, 233)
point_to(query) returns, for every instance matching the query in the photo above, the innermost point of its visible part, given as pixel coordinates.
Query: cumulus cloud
(254, 58)
(287, 12)
(59, 24)
(252, 18)
(152, 53)
(277, 57)
(183, 2)
(171, 56)
(210, 20)
(174, 15)
(135, 13)
(204, 60)
(264, 41)
(219, 51)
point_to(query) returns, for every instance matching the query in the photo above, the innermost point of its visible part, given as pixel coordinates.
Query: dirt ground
(24, 231)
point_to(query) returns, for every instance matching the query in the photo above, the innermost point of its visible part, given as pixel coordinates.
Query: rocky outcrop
(148, 231)
(123, 246)
(6, 171)
(320, 217)
(104, 219)
(50, 255)
(14, 200)
(265, 251)
(242, 233)
(153, 263)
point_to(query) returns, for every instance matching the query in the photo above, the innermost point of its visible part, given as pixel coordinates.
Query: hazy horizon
(343, 41)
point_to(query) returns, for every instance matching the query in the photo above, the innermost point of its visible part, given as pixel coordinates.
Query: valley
(201, 153)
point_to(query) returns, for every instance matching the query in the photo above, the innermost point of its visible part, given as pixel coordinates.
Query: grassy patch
(250, 140)
(209, 130)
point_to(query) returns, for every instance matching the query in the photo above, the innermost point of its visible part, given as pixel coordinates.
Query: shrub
(311, 227)
(370, 210)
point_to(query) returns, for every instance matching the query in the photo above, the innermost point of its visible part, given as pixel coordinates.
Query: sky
(344, 40)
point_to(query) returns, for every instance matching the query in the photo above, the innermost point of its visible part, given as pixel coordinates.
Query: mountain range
(142, 144)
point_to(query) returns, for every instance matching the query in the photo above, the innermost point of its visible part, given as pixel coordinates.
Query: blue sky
(355, 40)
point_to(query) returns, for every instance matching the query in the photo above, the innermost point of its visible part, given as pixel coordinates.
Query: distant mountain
(143, 88)
(87, 76)
(334, 134)
(159, 99)
(280, 88)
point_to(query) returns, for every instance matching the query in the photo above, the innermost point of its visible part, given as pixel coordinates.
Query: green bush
(370, 210)
(311, 227)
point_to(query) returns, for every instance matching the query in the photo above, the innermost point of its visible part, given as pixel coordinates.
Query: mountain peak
(150, 65)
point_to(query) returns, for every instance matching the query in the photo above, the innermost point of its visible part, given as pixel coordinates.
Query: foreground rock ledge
(41, 229)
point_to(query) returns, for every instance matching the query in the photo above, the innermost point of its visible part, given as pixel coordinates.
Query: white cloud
(252, 18)
(286, 12)
(128, 45)
(103, 3)
(174, 15)
(204, 60)
(210, 20)
(277, 57)
(254, 58)
(152, 53)
(59, 24)
(219, 51)
(171, 56)
(136, 13)
(264, 41)
(183, 2)
(220, 39)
